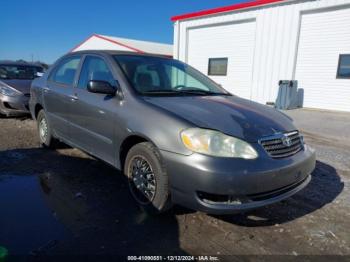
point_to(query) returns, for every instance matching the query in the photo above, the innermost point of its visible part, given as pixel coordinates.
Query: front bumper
(227, 185)
(14, 105)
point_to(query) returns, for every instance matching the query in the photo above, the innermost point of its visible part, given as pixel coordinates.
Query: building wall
(95, 43)
(103, 42)
(275, 46)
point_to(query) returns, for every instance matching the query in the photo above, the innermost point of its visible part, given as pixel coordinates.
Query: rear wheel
(45, 133)
(148, 180)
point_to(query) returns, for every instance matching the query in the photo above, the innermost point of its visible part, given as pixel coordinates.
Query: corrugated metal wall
(236, 42)
(323, 37)
(276, 41)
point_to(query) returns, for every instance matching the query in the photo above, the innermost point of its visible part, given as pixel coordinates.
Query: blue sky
(49, 29)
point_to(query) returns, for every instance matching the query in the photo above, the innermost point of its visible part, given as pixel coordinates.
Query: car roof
(116, 52)
(14, 63)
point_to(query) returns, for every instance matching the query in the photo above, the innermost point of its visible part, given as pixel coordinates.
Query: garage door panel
(323, 37)
(234, 41)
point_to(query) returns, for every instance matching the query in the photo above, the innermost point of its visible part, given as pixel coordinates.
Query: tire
(45, 136)
(155, 199)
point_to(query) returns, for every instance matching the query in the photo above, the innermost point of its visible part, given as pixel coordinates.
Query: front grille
(276, 192)
(282, 145)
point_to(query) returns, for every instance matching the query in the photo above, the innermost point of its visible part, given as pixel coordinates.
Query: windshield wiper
(198, 92)
(159, 91)
(183, 92)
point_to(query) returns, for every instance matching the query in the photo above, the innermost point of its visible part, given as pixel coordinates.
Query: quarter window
(344, 67)
(65, 72)
(217, 66)
(95, 68)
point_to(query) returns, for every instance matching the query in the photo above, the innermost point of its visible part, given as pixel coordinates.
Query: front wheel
(45, 133)
(148, 180)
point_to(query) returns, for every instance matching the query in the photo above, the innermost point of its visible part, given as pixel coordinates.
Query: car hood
(231, 115)
(19, 84)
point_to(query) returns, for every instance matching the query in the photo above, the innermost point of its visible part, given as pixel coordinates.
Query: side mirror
(101, 87)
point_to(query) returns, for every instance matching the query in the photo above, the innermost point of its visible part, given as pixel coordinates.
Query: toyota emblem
(286, 141)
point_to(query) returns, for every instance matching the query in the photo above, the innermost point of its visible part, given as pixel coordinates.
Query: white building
(249, 47)
(103, 42)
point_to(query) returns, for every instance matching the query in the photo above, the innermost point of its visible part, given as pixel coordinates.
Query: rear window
(28, 72)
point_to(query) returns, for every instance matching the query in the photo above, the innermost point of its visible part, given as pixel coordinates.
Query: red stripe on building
(230, 8)
(109, 40)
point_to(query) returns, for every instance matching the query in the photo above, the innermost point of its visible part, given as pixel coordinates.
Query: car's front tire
(45, 132)
(147, 177)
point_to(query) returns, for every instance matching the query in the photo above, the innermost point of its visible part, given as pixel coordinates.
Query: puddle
(26, 223)
(54, 203)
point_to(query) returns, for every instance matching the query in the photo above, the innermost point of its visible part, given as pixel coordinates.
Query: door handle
(73, 98)
(46, 90)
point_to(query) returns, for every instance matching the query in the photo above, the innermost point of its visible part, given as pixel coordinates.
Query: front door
(93, 115)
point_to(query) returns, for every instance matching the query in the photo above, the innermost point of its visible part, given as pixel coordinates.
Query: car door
(58, 94)
(92, 115)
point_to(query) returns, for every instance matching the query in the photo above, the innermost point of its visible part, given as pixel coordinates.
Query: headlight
(214, 143)
(7, 90)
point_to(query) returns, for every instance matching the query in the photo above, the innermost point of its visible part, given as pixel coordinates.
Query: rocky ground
(65, 202)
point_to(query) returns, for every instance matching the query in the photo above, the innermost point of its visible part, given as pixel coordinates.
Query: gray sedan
(177, 136)
(15, 81)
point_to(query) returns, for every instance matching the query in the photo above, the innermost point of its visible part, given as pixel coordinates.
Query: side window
(94, 68)
(65, 72)
(344, 67)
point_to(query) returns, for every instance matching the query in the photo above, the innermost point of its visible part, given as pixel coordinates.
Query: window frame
(135, 91)
(338, 69)
(59, 64)
(80, 69)
(217, 58)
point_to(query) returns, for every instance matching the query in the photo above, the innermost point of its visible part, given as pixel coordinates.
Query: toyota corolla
(178, 137)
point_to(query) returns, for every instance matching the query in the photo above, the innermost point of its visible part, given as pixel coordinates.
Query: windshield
(19, 71)
(163, 76)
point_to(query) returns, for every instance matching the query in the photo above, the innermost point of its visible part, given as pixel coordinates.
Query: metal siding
(220, 41)
(323, 37)
(176, 40)
(96, 43)
(102, 42)
(276, 41)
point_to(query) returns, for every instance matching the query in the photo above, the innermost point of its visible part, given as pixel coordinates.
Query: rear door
(58, 93)
(93, 115)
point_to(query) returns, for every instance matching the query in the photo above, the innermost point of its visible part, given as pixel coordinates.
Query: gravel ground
(65, 202)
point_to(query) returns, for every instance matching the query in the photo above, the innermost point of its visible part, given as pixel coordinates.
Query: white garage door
(232, 41)
(323, 37)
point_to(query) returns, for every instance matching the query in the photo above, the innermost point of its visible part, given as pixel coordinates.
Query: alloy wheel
(43, 130)
(142, 180)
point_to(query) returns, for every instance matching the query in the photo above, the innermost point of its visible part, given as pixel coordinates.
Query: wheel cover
(142, 180)
(43, 130)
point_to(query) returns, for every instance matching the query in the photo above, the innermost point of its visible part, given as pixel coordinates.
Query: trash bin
(287, 97)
